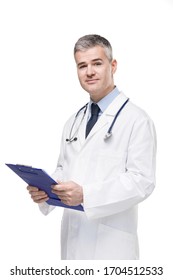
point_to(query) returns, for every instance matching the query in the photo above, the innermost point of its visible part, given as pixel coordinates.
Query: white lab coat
(116, 174)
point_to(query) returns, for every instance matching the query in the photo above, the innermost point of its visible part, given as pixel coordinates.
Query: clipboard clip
(24, 165)
(26, 169)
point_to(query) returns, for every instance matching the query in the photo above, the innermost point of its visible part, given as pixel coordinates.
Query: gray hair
(92, 40)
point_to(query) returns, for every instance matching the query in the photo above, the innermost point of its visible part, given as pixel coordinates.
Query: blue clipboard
(39, 178)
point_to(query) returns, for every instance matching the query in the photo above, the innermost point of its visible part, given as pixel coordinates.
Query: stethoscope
(108, 133)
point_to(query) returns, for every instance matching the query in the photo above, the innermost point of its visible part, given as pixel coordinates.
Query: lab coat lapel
(108, 115)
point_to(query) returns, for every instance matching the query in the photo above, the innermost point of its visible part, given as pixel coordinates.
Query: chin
(92, 90)
(95, 96)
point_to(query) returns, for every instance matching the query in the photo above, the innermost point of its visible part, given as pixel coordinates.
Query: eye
(98, 63)
(82, 66)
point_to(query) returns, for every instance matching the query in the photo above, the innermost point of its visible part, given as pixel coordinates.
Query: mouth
(91, 81)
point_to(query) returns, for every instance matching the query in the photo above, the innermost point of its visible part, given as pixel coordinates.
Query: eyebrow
(93, 60)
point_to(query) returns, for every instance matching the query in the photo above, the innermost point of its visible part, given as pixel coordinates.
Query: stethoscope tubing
(116, 116)
(109, 132)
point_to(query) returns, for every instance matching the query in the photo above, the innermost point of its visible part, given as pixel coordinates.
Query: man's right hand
(37, 195)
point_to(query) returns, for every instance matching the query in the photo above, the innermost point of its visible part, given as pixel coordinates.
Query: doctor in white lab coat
(108, 176)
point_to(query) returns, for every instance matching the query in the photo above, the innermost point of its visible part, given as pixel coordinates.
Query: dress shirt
(104, 102)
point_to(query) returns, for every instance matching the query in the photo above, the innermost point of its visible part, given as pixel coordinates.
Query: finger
(41, 200)
(60, 188)
(67, 202)
(39, 197)
(38, 193)
(64, 201)
(31, 188)
(60, 193)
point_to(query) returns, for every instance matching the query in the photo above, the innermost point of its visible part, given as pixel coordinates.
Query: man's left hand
(69, 193)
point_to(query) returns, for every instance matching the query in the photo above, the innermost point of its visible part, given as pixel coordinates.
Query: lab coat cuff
(45, 208)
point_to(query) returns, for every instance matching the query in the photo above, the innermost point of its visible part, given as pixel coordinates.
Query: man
(106, 163)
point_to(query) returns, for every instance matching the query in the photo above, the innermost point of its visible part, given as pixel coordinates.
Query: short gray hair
(92, 40)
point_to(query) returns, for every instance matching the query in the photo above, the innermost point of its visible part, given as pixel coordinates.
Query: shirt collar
(107, 100)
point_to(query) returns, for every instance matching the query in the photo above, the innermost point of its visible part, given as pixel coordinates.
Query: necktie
(93, 119)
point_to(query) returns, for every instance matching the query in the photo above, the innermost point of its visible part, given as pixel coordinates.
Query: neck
(97, 97)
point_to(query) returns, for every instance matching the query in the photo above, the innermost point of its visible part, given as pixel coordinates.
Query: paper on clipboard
(39, 178)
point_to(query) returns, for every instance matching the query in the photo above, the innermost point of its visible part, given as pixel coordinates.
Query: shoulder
(135, 115)
(140, 121)
(132, 111)
(137, 111)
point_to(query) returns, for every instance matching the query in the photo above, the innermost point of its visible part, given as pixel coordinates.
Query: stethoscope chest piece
(109, 132)
(107, 135)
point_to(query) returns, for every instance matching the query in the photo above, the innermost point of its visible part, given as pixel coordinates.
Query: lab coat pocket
(113, 244)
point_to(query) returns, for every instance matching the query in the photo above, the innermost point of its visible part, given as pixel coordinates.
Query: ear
(114, 66)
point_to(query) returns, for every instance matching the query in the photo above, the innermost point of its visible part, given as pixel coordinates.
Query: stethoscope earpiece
(71, 139)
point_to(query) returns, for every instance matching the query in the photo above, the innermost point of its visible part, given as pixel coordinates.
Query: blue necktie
(93, 119)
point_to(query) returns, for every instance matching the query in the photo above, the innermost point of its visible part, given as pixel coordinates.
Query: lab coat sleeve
(131, 186)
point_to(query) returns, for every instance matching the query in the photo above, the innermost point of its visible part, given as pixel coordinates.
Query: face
(95, 72)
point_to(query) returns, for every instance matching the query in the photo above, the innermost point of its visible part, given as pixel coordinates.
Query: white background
(39, 90)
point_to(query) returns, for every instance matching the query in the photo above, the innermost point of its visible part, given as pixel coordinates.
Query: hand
(69, 193)
(37, 195)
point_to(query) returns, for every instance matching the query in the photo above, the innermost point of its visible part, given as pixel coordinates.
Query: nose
(90, 70)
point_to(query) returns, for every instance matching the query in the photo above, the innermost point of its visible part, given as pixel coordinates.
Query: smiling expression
(95, 72)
